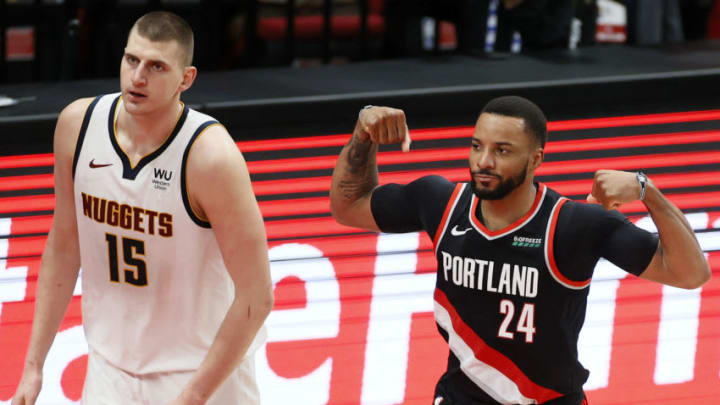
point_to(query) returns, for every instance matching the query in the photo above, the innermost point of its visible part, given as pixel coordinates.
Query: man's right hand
(29, 388)
(383, 125)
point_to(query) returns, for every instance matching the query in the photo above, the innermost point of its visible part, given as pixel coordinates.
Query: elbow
(704, 277)
(701, 276)
(256, 305)
(338, 212)
(266, 303)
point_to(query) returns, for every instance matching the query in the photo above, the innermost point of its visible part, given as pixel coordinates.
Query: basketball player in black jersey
(514, 257)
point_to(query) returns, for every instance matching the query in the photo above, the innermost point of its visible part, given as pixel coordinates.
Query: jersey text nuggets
(479, 274)
(127, 217)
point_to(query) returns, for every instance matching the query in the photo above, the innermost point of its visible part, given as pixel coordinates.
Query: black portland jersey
(510, 317)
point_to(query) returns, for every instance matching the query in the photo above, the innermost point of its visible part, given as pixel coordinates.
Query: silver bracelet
(642, 179)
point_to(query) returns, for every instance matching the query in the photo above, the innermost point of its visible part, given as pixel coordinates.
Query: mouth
(136, 94)
(484, 178)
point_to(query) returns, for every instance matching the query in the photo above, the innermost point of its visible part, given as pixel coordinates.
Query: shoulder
(212, 145)
(583, 216)
(587, 210)
(68, 125)
(77, 108)
(434, 181)
(213, 151)
(73, 113)
(433, 186)
(422, 191)
(217, 176)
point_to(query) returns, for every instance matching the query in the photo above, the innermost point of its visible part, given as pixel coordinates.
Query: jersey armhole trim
(81, 135)
(183, 176)
(550, 255)
(449, 208)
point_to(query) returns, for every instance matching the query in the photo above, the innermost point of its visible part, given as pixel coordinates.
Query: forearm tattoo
(360, 176)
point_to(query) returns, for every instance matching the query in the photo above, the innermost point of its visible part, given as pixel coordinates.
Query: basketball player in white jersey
(154, 202)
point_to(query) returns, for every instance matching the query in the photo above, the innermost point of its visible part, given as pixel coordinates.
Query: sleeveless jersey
(510, 317)
(154, 286)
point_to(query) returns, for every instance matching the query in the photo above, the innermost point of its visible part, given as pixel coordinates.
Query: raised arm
(220, 189)
(60, 260)
(679, 260)
(356, 173)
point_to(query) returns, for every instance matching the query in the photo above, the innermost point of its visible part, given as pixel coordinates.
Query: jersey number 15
(132, 251)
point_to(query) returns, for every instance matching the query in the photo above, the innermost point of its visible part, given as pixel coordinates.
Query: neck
(498, 214)
(148, 129)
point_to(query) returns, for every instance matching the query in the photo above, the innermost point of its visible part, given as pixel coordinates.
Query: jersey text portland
(513, 279)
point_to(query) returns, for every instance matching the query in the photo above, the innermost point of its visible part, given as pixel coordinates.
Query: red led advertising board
(353, 320)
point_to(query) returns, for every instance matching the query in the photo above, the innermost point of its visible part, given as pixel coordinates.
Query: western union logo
(521, 241)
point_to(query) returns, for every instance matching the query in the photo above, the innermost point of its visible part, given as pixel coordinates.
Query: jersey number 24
(525, 324)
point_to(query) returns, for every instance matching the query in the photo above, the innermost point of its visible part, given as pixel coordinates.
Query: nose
(484, 160)
(138, 76)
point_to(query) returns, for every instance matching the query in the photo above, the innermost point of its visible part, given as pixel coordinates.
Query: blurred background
(626, 85)
(51, 40)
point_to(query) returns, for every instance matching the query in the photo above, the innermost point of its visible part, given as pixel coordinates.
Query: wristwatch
(642, 179)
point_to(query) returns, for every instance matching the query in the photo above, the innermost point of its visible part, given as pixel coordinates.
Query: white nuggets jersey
(155, 288)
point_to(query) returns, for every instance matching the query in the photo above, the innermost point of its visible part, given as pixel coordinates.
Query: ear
(189, 74)
(537, 157)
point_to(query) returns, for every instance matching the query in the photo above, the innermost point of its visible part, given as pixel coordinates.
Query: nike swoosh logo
(457, 232)
(94, 165)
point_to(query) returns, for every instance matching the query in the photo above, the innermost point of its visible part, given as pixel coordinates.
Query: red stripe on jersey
(551, 255)
(446, 215)
(536, 204)
(494, 358)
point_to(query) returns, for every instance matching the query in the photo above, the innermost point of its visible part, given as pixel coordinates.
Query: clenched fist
(613, 188)
(383, 125)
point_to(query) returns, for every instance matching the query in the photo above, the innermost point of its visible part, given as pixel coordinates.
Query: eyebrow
(504, 143)
(151, 60)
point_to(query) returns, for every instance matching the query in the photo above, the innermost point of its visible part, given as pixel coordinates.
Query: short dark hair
(518, 107)
(163, 26)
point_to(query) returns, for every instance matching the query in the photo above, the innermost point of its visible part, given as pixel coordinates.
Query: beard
(503, 188)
